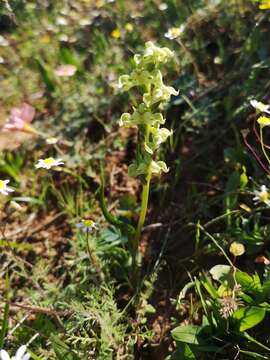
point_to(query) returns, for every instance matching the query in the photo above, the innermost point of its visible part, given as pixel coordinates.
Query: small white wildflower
(218, 60)
(20, 354)
(174, 32)
(163, 7)
(61, 21)
(262, 196)
(85, 22)
(63, 37)
(87, 225)
(260, 106)
(48, 163)
(52, 140)
(4, 189)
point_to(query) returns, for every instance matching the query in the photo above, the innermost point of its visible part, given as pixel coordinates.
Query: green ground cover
(194, 280)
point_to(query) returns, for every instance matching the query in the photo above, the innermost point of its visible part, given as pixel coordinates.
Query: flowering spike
(145, 117)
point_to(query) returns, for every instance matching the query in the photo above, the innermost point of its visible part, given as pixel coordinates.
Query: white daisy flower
(87, 225)
(174, 32)
(48, 163)
(262, 196)
(260, 106)
(20, 354)
(4, 189)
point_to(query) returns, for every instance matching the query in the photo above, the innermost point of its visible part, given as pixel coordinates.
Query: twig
(39, 310)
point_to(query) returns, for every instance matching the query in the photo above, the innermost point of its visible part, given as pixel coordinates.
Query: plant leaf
(250, 284)
(220, 272)
(188, 334)
(248, 317)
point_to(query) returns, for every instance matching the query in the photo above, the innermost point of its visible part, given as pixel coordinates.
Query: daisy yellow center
(88, 222)
(264, 196)
(116, 34)
(265, 5)
(264, 121)
(49, 161)
(175, 32)
(2, 185)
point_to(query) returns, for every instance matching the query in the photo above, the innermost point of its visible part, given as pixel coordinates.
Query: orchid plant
(147, 118)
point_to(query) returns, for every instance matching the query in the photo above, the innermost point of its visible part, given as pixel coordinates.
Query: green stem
(145, 197)
(94, 259)
(262, 144)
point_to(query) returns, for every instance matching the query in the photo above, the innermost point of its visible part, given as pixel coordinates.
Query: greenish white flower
(161, 94)
(141, 116)
(153, 55)
(136, 78)
(160, 135)
(158, 167)
(125, 82)
(157, 137)
(155, 167)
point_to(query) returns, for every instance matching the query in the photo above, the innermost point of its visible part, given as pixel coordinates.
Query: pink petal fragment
(65, 70)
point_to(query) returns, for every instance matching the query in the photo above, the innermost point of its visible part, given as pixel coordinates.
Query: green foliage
(230, 306)
(4, 322)
(85, 299)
